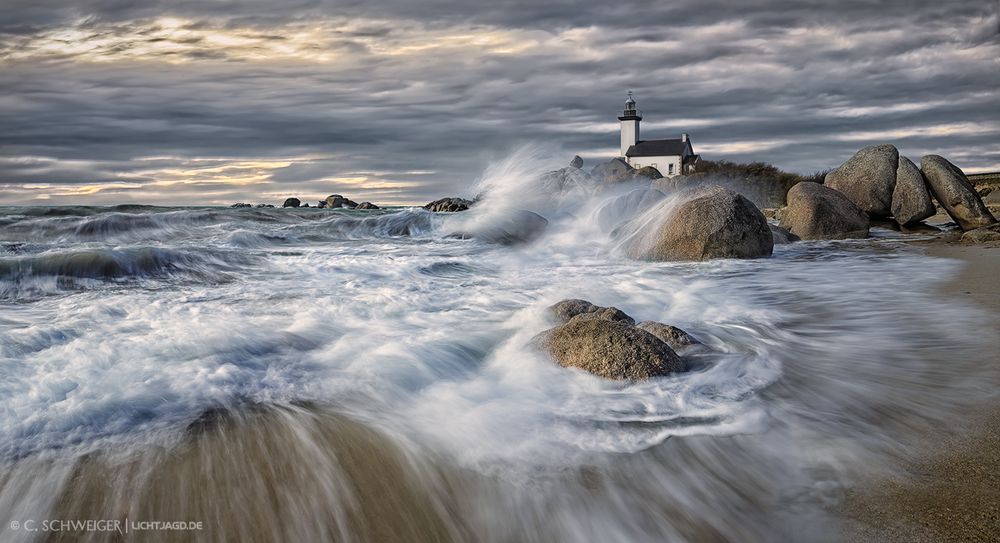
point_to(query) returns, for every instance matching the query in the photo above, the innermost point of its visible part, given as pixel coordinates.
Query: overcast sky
(403, 101)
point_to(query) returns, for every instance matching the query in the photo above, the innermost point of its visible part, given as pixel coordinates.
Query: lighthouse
(630, 118)
(670, 157)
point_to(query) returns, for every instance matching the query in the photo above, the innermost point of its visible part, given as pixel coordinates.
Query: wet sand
(948, 489)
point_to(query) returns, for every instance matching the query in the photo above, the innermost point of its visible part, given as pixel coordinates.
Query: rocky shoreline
(840, 360)
(875, 187)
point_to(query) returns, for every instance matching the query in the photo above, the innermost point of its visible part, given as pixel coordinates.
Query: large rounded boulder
(957, 195)
(291, 202)
(609, 348)
(704, 223)
(817, 212)
(911, 203)
(868, 179)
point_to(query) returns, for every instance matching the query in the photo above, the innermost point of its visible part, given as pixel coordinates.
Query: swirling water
(363, 376)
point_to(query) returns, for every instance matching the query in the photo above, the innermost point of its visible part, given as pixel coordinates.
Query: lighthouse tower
(630, 124)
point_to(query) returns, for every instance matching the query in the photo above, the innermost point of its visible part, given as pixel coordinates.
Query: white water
(822, 358)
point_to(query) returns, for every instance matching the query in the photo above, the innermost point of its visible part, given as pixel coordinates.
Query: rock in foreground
(709, 222)
(566, 310)
(868, 179)
(449, 205)
(671, 335)
(610, 349)
(911, 203)
(957, 195)
(817, 212)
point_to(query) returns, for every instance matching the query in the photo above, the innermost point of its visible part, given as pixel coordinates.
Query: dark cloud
(352, 96)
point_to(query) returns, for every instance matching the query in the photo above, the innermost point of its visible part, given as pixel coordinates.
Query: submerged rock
(291, 202)
(868, 179)
(449, 205)
(367, 205)
(911, 203)
(520, 226)
(335, 201)
(956, 194)
(671, 335)
(264, 205)
(240, 205)
(818, 212)
(710, 222)
(609, 348)
(577, 162)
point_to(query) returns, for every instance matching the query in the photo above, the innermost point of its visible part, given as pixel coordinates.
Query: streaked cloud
(401, 102)
(174, 40)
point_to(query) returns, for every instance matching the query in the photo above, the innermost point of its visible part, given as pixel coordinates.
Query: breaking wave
(365, 376)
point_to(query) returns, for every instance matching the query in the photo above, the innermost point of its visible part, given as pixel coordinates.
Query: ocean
(310, 374)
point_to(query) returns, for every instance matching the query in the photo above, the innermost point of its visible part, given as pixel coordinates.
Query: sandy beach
(948, 489)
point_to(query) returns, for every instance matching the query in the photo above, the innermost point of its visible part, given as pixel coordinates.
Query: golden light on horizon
(175, 40)
(45, 191)
(239, 172)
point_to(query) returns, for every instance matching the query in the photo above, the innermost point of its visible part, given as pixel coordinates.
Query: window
(670, 169)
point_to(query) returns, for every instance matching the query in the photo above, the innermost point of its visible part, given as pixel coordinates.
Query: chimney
(684, 137)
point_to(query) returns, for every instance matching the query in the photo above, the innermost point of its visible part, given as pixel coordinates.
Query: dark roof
(658, 148)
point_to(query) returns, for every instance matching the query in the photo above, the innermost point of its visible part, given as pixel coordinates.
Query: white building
(670, 157)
